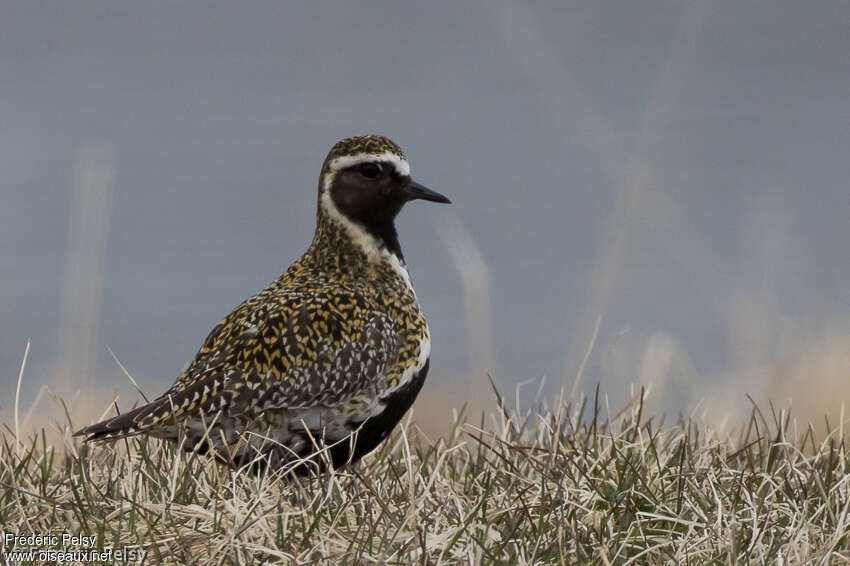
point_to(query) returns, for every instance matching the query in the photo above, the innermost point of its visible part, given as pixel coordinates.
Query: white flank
(424, 352)
(409, 372)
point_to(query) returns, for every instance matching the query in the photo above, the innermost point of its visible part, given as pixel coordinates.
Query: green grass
(564, 485)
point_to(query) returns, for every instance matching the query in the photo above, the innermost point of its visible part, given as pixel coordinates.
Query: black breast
(374, 430)
(370, 433)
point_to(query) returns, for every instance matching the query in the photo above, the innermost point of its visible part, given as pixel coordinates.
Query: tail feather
(130, 423)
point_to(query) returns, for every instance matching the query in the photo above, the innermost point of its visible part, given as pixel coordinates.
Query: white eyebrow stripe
(401, 165)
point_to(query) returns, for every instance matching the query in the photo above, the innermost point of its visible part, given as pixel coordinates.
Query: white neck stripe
(366, 241)
(357, 233)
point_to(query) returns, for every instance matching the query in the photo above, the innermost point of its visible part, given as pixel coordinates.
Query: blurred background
(650, 193)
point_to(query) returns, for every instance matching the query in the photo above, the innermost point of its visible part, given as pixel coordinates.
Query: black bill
(415, 191)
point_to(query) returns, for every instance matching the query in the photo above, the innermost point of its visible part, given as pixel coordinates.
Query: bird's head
(367, 179)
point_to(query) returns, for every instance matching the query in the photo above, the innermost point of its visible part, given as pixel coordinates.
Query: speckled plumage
(336, 344)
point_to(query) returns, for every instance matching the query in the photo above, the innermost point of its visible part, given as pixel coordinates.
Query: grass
(564, 484)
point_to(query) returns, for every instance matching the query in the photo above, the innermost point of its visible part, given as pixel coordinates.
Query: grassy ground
(564, 485)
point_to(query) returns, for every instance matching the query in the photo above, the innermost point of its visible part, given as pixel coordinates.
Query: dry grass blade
(18, 398)
(532, 489)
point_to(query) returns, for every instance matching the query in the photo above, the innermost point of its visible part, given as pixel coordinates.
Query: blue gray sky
(677, 171)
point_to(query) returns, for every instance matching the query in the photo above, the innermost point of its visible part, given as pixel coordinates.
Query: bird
(322, 364)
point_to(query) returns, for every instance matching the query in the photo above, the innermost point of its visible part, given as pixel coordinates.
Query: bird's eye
(370, 170)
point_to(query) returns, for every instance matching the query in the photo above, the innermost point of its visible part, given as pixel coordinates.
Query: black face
(369, 192)
(372, 194)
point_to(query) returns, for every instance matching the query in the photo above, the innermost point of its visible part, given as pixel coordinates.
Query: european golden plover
(333, 352)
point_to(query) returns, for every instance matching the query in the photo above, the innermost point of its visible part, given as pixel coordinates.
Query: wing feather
(273, 353)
